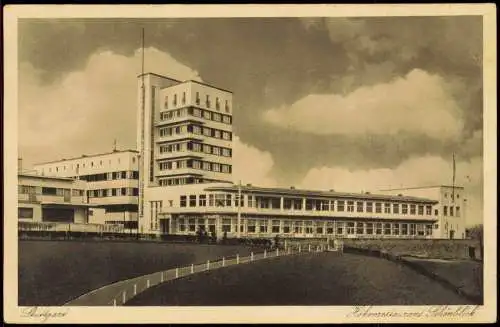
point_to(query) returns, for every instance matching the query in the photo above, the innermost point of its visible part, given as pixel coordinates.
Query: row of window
(131, 174)
(207, 102)
(307, 227)
(453, 211)
(230, 200)
(77, 166)
(195, 112)
(452, 195)
(196, 147)
(195, 164)
(55, 191)
(179, 181)
(121, 191)
(197, 130)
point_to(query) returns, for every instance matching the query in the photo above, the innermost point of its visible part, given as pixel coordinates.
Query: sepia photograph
(250, 164)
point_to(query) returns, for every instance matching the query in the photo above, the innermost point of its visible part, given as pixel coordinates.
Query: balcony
(178, 137)
(176, 120)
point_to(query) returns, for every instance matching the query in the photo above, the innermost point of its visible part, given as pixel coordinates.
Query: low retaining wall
(442, 249)
(416, 267)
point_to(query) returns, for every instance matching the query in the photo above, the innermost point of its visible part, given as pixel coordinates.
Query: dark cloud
(273, 62)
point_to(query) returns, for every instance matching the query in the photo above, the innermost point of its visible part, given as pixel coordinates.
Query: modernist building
(450, 211)
(184, 133)
(111, 183)
(51, 199)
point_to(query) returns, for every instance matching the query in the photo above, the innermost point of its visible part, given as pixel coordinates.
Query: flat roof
(315, 193)
(158, 75)
(421, 187)
(186, 81)
(44, 177)
(86, 156)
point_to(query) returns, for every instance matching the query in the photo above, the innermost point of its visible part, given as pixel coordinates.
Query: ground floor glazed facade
(252, 226)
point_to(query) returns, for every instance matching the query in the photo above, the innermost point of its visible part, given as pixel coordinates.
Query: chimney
(19, 165)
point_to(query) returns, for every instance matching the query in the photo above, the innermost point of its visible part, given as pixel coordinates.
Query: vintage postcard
(250, 164)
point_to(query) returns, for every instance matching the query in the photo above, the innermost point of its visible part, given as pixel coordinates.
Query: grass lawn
(465, 274)
(318, 279)
(52, 273)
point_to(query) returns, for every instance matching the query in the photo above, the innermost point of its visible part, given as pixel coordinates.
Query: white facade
(112, 183)
(52, 199)
(451, 211)
(185, 130)
(266, 212)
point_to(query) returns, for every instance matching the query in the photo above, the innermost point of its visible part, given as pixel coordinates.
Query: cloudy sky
(345, 103)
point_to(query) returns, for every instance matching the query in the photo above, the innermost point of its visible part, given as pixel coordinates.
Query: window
(207, 101)
(192, 224)
(166, 102)
(445, 210)
(226, 119)
(340, 228)
(369, 207)
(197, 98)
(276, 226)
(413, 209)
(25, 213)
(428, 210)
(378, 228)
(216, 167)
(182, 224)
(369, 228)
(387, 208)
(350, 228)
(192, 200)
(378, 207)
(340, 206)
(420, 210)
(183, 97)
(404, 229)
(251, 226)
(350, 206)
(226, 136)
(404, 211)
(395, 229)
(387, 229)
(207, 131)
(359, 228)
(319, 229)
(217, 134)
(458, 211)
(298, 227)
(263, 226)
(216, 117)
(413, 230)
(183, 201)
(308, 227)
(124, 191)
(395, 208)
(436, 212)
(451, 211)
(428, 229)
(175, 100)
(359, 206)
(226, 106)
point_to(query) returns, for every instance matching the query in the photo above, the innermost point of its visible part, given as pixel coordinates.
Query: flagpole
(453, 182)
(141, 153)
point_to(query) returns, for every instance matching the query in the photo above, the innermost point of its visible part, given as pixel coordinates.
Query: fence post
(114, 302)
(147, 283)
(192, 268)
(265, 253)
(124, 296)
(237, 258)
(208, 264)
(161, 278)
(309, 247)
(176, 272)
(285, 245)
(251, 256)
(135, 289)
(289, 251)
(277, 252)
(223, 261)
(300, 248)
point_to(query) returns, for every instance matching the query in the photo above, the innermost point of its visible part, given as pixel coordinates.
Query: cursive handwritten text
(44, 313)
(432, 311)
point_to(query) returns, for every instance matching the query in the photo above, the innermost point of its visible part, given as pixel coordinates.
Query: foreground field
(318, 279)
(52, 273)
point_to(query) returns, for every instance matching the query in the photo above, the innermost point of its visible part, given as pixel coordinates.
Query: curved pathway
(319, 279)
(120, 292)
